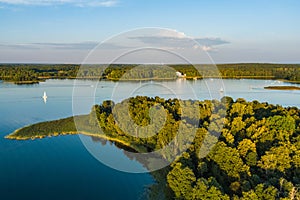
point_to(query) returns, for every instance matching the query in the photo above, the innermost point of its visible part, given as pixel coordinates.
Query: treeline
(239, 149)
(36, 72)
(39, 72)
(290, 72)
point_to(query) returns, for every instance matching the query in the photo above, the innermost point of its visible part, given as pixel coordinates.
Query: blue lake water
(61, 167)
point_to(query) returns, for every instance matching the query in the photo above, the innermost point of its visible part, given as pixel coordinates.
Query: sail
(45, 97)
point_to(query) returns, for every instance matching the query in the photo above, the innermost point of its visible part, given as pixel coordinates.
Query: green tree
(229, 160)
(181, 180)
(278, 158)
(204, 190)
(245, 146)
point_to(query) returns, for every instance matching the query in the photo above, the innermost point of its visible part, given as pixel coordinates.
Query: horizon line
(125, 63)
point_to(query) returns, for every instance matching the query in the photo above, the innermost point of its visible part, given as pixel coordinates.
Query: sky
(229, 31)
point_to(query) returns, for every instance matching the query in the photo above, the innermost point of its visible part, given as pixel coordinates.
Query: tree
(278, 158)
(204, 190)
(281, 126)
(229, 160)
(245, 146)
(266, 192)
(251, 159)
(228, 136)
(237, 125)
(181, 180)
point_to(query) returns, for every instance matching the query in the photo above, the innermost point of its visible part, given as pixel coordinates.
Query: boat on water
(45, 97)
(221, 90)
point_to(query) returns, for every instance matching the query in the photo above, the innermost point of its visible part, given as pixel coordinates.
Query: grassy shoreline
(105, 137)
(18, 135)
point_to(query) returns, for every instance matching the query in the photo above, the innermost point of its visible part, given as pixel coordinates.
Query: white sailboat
(221, 90)
(45, 97)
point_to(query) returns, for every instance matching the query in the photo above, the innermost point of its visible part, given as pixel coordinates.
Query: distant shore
(153, 79)
(34, 73)
(23, 82)
(282, 88)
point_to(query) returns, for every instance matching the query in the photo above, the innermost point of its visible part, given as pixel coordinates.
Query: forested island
(256, 156)
(34, 73)
(282, 88)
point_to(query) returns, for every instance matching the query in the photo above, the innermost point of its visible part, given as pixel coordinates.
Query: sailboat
(45, 97)
(221, 90)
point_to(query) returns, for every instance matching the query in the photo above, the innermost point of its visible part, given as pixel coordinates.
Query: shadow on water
(156, 190)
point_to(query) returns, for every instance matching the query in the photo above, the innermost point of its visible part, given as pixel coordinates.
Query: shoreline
(151, 79)
(56, 134)
(282, 87)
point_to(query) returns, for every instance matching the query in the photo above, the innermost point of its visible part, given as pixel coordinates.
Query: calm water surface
(60, 167)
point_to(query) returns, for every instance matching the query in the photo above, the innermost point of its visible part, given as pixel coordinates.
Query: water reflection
(104, 142)
(156, 190)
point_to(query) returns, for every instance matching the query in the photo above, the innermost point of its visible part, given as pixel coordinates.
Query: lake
(61, 167)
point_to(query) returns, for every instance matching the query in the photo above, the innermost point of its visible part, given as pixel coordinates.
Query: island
(282, 88)
(256, 155)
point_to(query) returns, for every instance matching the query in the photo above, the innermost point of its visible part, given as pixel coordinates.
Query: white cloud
(150, 46)
(205, 48)
(79, 3)
(65, 46)
(172, 33)
(173, 39)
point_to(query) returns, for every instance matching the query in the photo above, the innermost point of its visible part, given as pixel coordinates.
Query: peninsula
(255, 157)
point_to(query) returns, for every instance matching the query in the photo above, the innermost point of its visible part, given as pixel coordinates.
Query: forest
(256, 151)
(34, 73)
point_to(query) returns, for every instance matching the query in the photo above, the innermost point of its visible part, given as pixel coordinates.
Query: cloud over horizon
(180, 40)
(177, 40)
(65, 46)
(206, 44)
(167, 39)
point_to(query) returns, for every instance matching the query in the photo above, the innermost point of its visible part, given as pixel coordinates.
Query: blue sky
(251, 31)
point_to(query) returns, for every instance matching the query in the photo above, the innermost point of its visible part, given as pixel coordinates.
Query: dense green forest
(38, 72)
(256, 155)
(33, 73)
